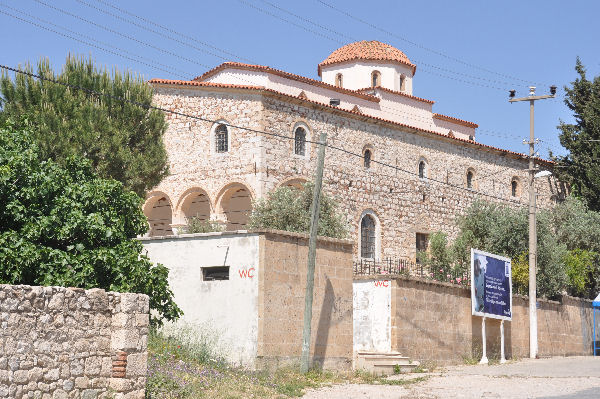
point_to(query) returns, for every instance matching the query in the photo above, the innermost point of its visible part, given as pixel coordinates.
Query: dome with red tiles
(369, 51)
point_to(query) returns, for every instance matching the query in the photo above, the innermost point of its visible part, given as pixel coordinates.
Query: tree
(123, 141)
(581, 167)
(288, 208)
(61, 224)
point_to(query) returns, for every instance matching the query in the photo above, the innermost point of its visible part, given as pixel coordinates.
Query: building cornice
(455, 120)
(399, 93)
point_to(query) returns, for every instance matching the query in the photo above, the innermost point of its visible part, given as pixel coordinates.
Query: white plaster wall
(226, 308)
(243, 77)
(372, 319)
(357, 75)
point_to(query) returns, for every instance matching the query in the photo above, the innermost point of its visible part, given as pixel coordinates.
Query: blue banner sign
(491, 285)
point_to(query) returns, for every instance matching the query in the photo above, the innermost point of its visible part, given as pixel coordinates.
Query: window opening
(375, 79)
(367, 159)
(514, 186)
(422, 169)
(367, 237)
(422, 242)
(221, 138)
(300, 141)
(338, 80)
(469, 179)
(214, 273)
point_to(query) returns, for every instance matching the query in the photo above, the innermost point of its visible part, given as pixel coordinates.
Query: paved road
(556, 378)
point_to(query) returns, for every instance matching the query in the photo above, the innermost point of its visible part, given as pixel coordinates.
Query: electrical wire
(261, 132)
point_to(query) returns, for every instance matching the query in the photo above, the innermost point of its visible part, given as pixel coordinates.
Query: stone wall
(433, 321)
(403, 203)
(60, 342)
(282, 284)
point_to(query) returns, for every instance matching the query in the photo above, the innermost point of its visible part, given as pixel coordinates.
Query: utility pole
(312, 254)
(533, 340)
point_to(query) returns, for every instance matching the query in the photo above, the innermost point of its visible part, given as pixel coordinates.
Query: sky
(468, 53)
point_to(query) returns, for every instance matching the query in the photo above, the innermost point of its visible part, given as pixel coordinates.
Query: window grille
(367, 237)
(221, 138)
(300, 141)
(367, 159)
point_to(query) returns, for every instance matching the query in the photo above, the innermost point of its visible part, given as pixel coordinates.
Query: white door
(372, 315)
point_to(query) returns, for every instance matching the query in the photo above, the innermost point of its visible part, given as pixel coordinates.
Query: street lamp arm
(529, 98)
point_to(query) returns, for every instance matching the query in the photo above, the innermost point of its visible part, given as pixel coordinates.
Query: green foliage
(197, 225)
(520, 274)
(445, 261)
(123, 141)
(583, 272)
(580, 167)
(288, 208)
(63, 225)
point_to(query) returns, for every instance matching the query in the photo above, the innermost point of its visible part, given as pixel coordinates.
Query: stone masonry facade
(60, 342)
(402, 203)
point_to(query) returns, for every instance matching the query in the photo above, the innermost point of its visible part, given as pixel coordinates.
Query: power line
(262, 132)
(436, 52)
(151, 63)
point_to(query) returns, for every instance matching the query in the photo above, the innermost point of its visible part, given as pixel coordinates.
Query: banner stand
(502, 358)
(484, 359)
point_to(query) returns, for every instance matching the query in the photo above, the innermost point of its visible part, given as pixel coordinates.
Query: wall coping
(340, 241)
(460, 287)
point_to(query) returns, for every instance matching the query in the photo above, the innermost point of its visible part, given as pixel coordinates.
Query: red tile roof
(396, 92)
(293, 76)
(367, 50)
(455, 120)
(271, 91)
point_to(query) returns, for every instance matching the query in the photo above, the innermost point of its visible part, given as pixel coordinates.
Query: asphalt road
(556, 378)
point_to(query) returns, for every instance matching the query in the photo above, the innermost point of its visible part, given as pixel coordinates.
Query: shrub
(197, 225)
(288, 208)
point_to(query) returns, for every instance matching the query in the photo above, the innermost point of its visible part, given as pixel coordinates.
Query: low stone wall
(60, 342)
(433, 321)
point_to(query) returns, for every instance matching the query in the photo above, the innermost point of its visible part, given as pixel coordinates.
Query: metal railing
(405, 267)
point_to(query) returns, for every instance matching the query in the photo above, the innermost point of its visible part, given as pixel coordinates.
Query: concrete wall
(433, 321)
(60, 342)
(228, 308)
(372, 315)
(259, 319)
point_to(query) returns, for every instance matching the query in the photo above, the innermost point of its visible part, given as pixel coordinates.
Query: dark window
(422, 169)
(367, 159)
(367, 237)
(221, 138)
(215, 273)
(300, 141)
(375, 79)
(469, 179)
(514, 186)
(422, 242)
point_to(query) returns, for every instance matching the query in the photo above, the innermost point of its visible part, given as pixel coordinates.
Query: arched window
(422, 167)
(300, 141)
(375, 79)
(221, 138)
(367, 159)
(339, 80)
(514, 187)
(470, 179)
(367, 237)
(402, 82)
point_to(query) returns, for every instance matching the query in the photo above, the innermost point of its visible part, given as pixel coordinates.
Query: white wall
(229, 308)
(372, 301)
(357, 75)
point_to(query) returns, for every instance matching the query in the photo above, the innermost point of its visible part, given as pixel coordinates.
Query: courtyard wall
(60, 342)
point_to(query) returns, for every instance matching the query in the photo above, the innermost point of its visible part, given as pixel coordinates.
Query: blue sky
(468, 53)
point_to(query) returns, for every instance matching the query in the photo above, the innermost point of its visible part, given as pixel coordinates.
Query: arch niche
(195, 203)
(159, 213)
(235, 206)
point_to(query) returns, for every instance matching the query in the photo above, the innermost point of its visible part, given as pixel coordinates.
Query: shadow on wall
(325, 321)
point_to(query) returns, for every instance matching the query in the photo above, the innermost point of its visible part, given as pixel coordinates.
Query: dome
(367, 50)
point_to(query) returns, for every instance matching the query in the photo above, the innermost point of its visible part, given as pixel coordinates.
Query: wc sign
(246, 272)
(384, 283)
